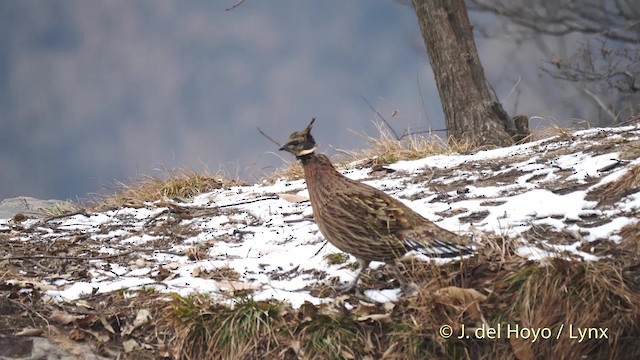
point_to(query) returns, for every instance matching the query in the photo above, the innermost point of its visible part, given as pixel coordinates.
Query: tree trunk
(470, 111)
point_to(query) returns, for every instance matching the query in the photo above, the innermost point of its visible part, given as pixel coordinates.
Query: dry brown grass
(551, 130)
(383, 149)
(611, 193)
(387, 149)
(495, 289)
(61, 208)
(561, 296)
(178, 183)
(630, 235)
(206, 330)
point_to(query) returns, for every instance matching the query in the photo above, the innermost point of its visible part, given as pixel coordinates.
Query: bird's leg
(409, 288)
(350, 286)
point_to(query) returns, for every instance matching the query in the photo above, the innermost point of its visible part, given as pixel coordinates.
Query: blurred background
(93, 92)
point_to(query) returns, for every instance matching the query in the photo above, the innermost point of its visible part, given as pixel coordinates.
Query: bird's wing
(383, 214)
(435, 241)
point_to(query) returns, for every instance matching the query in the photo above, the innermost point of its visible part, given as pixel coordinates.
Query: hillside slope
(574, 196)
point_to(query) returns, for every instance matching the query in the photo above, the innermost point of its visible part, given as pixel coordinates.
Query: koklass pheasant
(362, 220)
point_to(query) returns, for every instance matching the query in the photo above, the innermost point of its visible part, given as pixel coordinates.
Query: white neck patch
(307, 152)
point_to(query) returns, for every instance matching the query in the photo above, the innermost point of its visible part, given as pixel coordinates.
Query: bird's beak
(284, 148)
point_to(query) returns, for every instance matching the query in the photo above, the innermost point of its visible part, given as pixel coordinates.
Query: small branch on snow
(613, 165)
(274, 197)
(156, 216)
(291, 221)
(80, 212)
(102, 257)
(322, 247)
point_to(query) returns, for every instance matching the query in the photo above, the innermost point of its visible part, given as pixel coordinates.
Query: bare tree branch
(616, 20)
(235, 5)
(606, 66)
(601, 104)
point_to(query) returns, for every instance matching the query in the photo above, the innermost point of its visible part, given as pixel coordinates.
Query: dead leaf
(101, 337)
(76, 335)
(142, 317)
(297, 348)
(22, 284)
(347, 354)
(63, 317)
(292, 198)
(84, 304)
(376, 317)
(388, 306)
(196, 271)
(521, 348)
(106, 325)
(29, 332)
(172, 266)
(163, 273)
(308, 311)
(130, 345)
(231, 286)
(364, 309)
(469, 299)
(463, 296)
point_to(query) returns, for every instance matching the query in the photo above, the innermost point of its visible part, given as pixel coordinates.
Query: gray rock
(40, 348)
(26, 205)
(30, 348)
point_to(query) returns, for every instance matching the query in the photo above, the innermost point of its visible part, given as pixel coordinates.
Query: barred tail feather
(438, 248)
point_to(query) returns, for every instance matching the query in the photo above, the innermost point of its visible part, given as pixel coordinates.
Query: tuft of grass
(567, 295)
(336, 258)
(555, 295)
(178, 183)
(630, 235)
(412, 341)
(611, 193)
(496, 288)
(206, 330)
(61, 208)
(330, 336)
(383, 149)
(551, 128)
(292, 170)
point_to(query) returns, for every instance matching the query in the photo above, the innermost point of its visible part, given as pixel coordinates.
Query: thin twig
(103, 257)
(79, 212)
(235, 5)
(381, 117)
(156, 216)
(29, 310)
(268, 137)
(322, 247)
(424, 106)
(25, 257)
(275, 197)
(601, 104)
(42, 267)
(291, 221)
(512, 89)
(288, 272)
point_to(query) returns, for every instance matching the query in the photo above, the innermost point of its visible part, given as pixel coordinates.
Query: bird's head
(301, 143)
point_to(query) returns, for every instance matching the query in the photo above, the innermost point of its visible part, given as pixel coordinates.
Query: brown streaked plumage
(362, 220)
